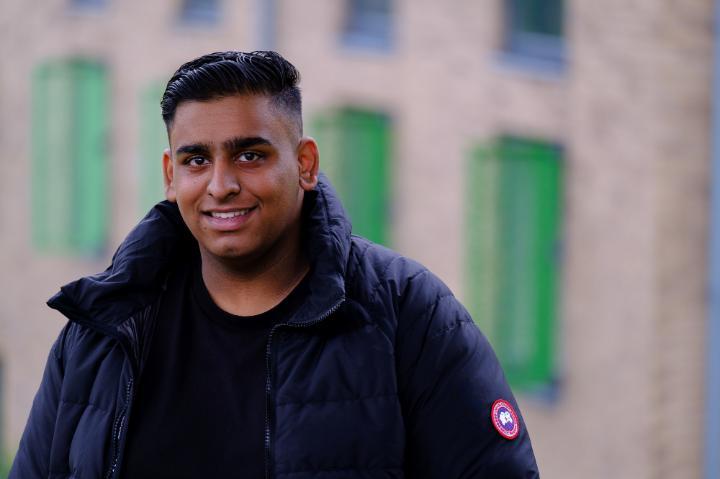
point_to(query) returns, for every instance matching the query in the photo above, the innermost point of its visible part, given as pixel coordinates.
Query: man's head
(238, 165)
(223, 74)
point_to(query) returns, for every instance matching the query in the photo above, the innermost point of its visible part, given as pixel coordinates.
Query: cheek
(280, 186)
(189, 189)
(290, 179)
(187, 192)
(289, 186)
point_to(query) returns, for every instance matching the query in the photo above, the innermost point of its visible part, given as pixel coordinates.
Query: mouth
(229, 214)
(229, 220)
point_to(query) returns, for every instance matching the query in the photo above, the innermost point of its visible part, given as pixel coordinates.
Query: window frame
(200, 12)
(367, 29)
(536, 47)
(87, 5)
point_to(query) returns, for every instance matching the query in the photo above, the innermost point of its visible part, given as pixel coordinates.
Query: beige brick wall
(682, 49)
(631, 110)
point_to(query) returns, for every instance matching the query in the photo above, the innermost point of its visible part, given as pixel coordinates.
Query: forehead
(217, 120)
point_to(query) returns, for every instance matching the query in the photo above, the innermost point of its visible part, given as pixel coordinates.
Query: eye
(196, 161)
(248, 156)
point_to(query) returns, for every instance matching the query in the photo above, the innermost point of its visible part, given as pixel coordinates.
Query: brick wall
(631, 110)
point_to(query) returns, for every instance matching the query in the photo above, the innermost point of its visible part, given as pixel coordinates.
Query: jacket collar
(139, 268)
(326, 239)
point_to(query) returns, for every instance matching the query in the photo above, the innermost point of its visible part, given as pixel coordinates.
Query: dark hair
(221, 74)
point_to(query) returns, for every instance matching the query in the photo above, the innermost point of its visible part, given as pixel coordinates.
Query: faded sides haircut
(222, 74)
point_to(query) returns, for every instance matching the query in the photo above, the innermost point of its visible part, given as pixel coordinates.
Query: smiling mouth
(229, 214)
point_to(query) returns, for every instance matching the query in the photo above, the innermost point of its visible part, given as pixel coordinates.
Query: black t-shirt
(199, 410)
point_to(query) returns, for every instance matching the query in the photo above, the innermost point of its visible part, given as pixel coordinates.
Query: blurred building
(549, 159)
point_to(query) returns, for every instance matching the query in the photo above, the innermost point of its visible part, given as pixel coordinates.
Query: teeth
(229, 214)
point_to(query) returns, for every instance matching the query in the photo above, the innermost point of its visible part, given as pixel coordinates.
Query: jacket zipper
(121, 421)
(268, 379)
(118, 429)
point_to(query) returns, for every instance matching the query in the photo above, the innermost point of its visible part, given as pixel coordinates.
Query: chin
(232, 252)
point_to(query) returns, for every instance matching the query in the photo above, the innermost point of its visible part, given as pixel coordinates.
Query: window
(368, 24)
(69, 158)
(355, 148)
(88, 4)
(535, 28)
(153, 141)
(513, 221)
(200, 11)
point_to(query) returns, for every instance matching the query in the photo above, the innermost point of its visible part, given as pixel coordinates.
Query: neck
(248, 288)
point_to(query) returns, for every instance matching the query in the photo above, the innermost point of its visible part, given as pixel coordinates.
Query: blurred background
(551, 160)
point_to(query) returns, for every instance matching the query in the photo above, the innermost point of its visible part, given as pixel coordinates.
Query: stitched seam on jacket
(382, 280)
(80, 403)
(383, 276)
(360, 255)
(360, 245)
(63, 474)
(450, 327)
(429, 313)
(458, 323)
(321, 192)
(340, 469)
(324, 401)
(353, 265)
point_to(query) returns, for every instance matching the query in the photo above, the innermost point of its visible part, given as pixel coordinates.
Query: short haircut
(222, 74)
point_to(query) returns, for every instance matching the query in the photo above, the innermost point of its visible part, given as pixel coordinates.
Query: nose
(223, 182)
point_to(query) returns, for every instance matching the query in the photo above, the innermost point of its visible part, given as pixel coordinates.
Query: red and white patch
(505, 419)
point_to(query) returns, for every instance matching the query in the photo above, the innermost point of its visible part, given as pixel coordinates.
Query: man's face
(237, 169)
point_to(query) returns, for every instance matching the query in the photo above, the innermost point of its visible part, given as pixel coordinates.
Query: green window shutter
(354, 152)
(153, 141)
(514, 225)
(4, 463)
(69, 159)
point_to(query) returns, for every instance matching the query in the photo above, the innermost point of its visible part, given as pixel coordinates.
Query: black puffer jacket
(381, 374)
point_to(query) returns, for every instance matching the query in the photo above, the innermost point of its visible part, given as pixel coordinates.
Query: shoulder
(77, 342)
(372, 266)
(400, 287)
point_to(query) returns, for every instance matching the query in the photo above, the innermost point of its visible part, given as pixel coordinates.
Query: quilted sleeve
(449, 379)
(33, 456)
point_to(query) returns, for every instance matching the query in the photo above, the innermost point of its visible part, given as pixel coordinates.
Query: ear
(168, 176)
(308, 162)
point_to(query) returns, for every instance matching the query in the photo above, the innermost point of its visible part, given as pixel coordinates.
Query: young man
(241, 331)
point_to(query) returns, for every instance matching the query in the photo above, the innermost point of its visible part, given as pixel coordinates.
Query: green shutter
(69, 159)
(482, 209)
(354, 152)
(153, 141)
(514, 224)
(4, 462)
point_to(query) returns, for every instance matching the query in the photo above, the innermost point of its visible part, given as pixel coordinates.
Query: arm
(449, 379)
(33, 456)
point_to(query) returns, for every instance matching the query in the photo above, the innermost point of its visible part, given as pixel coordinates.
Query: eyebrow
(194, 149)
(233, 145)
(241, 143)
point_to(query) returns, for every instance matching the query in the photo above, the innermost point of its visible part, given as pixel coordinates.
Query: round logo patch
(505, 419)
